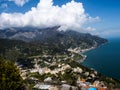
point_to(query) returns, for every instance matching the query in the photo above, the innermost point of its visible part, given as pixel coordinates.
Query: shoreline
(84, 51)
(89, 49)
(81, 52)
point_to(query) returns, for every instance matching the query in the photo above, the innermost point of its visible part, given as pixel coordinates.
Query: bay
(105, 59)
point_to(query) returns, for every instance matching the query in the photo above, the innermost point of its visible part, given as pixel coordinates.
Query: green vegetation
(51, 50)
(110, 82)
(70, 77)
(9, 76)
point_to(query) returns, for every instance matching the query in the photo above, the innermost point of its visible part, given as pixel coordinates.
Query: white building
(45, 87)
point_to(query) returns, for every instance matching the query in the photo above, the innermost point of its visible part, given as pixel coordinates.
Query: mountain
(67, 38)
(49, 48)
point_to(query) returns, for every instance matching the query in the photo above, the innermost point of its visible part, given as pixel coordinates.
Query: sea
(105, 59)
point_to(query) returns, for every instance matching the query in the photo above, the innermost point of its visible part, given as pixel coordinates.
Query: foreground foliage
(9, 76)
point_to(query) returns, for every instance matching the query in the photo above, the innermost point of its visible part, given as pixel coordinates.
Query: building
(45, 87)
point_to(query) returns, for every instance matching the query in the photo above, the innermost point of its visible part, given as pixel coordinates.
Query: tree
(12, 54)
(71, 88)
(9, 76)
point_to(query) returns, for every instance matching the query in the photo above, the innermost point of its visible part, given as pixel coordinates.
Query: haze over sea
(105, 59)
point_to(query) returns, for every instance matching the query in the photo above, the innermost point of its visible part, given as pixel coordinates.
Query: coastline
(89, 49)
(81, 52)
(107, 47)
(84, 51)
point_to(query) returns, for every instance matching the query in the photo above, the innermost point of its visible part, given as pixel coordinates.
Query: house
(49, 79)
(67, 87)
(45, 87)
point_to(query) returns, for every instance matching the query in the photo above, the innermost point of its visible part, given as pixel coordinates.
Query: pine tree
(9, 76)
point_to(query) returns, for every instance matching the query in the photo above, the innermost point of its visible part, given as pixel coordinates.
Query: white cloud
(94, 19)
(110, 32)
(45, 14)
(89, 29)
(19, 2)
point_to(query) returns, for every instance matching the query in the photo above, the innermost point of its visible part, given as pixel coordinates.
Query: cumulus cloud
(19, 2)
(69, 16)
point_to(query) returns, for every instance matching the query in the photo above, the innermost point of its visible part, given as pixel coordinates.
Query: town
(61, 72)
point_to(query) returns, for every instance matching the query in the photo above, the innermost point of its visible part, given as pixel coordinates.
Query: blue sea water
(105, 59)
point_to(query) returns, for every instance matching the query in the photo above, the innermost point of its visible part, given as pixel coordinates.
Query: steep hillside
(52, 36)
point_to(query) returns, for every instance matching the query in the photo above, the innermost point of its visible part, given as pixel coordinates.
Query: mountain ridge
(51, 35)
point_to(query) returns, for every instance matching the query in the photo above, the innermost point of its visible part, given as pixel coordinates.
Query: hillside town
(58, 73)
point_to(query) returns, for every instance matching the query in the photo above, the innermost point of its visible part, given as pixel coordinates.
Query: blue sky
(107, 10)
(109, 13)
